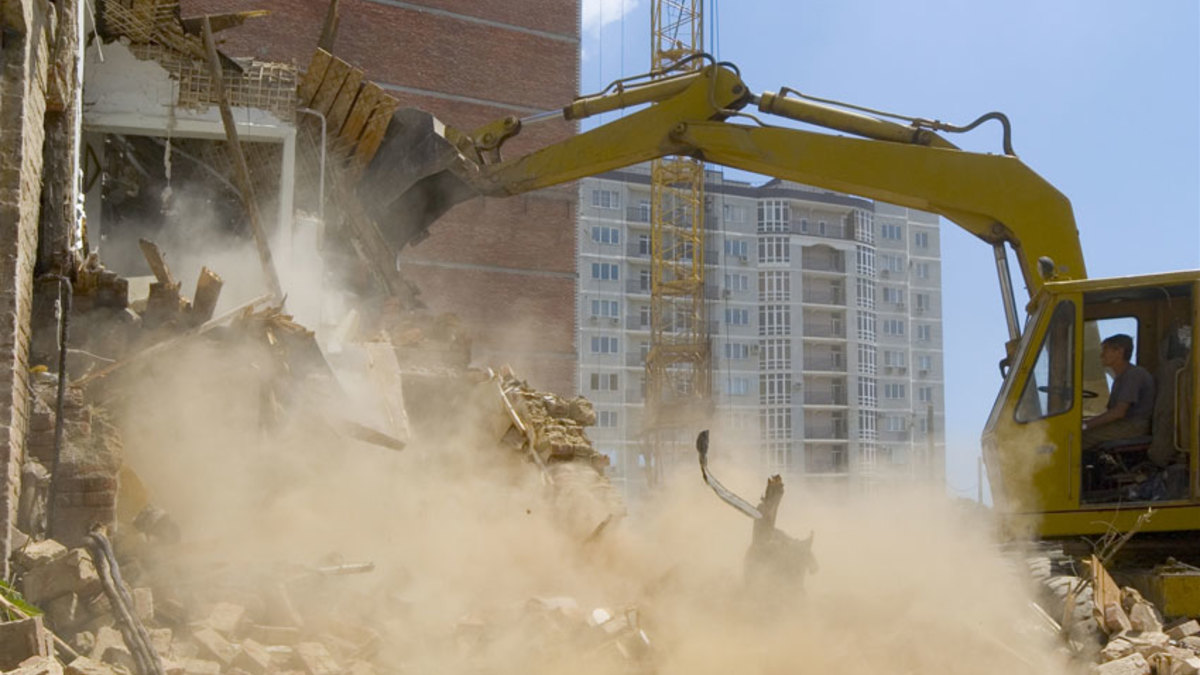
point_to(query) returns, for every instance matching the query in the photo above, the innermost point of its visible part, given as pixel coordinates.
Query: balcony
(824, 332)
(826, 364)
(636, 249)
(634, 360)
(824, 297)
(895, 436)
(637, 287)
(826, 431)
(636, 323)
(637, 214)
(824, 398)
(822, 263)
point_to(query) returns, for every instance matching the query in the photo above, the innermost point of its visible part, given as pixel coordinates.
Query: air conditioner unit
(887, 369)
(614, 320)
(726, 294)
(743, 260)
(902, 370)
(922, 372)
(900, 306)
(592, 320)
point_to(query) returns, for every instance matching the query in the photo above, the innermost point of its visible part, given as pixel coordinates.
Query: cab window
(1049, 390)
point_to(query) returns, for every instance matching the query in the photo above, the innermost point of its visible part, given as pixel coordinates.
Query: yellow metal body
(1036, 465)
(1174, 589)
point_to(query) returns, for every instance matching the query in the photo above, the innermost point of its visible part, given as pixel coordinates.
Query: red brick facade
(505, 266)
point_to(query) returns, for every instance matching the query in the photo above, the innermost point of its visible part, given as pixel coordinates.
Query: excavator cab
(1043, 477)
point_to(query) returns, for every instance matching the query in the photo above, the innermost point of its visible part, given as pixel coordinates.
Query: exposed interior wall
(506, 267)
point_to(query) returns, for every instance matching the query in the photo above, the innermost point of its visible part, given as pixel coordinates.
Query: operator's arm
(1117, 412)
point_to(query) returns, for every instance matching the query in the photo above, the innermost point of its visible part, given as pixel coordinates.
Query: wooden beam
(241, 170)
(344, 101)
(313, 76)
(335, 76)
(158, 264)
(208, 291)
(329, 29)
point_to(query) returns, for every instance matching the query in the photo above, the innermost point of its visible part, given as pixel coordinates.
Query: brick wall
(506, 267)
(22, 87)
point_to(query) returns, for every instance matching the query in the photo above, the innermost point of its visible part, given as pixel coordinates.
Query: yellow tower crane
(679, 361)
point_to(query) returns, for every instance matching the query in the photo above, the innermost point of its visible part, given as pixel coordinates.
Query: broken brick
(71, 573)
(201, 667)
(85, 666)
(213, 645)
(226, 618)
(253, 658)
(37, 665)
(1185, 629)
(316, 659)
(21, 640)
(37, 553)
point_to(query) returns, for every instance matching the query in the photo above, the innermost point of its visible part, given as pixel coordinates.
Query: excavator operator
(1131, 400)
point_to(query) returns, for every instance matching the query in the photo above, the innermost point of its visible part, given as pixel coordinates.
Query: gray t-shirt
(1135, 386)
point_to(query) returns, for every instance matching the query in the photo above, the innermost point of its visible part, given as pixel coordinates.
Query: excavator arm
(995, 197)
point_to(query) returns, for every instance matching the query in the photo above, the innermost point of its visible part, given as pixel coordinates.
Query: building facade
(824, 319)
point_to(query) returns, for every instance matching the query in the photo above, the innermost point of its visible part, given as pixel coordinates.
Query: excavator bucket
(415, 177)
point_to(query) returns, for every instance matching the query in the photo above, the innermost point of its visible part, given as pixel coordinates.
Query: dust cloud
(464, 536)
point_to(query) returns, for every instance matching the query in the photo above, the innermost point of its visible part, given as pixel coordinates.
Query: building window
(644, 280)
(925, 362)
(894, 423)
(774, 215)
(644, 211)
(893, 232)
(737, 350)
(774, 286)
(921, 239)
(606, 418)
(606, 308)
(643, 244)
(893, 327)
(924, 333)
(737, 386)
(774, 250)
(925, 394)
(866, 326)
(774, 388)
(895, 359)
(923, 302)
(893, 391)
(865, 256)
(866, 392)
(922, 270)
(604, 344)
(774, 319)
(737, 282)
(606, 235)
(605, 271)
(866, 359)
(866, 293)
(737, 317)
(894, 296)
(736, 248)
(604, 381)
(775, 354)
(606, 199)
(821, 225)
(733, 213)
(644, 316)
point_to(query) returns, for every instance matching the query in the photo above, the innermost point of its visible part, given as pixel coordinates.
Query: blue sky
(1104, 98)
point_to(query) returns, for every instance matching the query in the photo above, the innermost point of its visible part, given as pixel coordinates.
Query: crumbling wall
(26, 43)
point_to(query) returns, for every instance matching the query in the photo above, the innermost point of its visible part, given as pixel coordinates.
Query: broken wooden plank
(368, 99)
(208, 291)
(195, 24)
(372, 136)
(335, 76)
(167, 344)
(158, 263)
(242, 171)
(341, 106)
(313, 76)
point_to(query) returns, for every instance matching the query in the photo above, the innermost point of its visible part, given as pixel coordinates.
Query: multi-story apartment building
(824, 316)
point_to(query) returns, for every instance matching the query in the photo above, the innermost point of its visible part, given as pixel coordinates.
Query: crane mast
(679, 360)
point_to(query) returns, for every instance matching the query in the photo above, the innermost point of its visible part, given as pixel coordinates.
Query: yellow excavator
(1043, 481)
